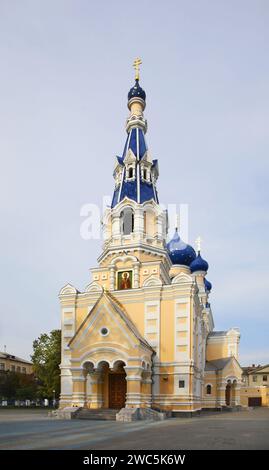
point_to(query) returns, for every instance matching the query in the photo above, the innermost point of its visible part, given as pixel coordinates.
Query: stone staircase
(105, 414)
(231, 408)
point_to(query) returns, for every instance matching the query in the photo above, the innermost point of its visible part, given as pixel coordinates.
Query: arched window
(145, 174)
(208, 389)
(130, 172)
(127, 221)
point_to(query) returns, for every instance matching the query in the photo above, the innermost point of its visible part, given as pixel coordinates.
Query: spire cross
(136, 64)
(177, 222)
(198, 244)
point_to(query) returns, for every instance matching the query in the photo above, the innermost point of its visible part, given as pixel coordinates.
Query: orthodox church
(140, 338)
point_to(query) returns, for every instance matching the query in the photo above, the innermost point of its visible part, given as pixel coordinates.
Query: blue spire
(136, 173)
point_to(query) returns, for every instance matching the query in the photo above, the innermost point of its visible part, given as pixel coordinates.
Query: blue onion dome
(208, 285)
(199, 264)
(179, 251)
(137, 92)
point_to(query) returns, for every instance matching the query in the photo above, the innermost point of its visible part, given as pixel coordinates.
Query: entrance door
(255, 401)
(228, 395)
(117, 390)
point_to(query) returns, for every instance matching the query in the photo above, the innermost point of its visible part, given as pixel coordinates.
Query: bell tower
(135, 224)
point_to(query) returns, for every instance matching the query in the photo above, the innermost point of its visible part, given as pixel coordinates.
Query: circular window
(104, 331)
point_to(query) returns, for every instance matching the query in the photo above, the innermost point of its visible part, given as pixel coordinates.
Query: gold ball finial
(136, 64)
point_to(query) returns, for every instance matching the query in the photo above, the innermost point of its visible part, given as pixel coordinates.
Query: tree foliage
(46, 359)
(15, 385)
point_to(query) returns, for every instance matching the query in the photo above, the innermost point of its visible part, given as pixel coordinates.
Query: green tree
(46, 359)
(27, 389)
(9, 384)
(15, 385)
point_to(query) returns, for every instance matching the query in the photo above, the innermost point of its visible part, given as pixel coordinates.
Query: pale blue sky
(65, 73)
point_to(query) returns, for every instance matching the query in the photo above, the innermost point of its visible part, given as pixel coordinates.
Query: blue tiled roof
(129, 189)
(136, 142)
(208, 285)
(147, 192)
(179, 251)
(199, 264)
(137, 91)
(136, 190)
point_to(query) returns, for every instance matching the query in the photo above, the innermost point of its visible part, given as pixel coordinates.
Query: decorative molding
(152, 281)
(94, 287)
(67, 290)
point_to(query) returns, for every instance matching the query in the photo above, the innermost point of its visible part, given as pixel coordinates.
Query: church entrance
(117, 390)
(228, 394)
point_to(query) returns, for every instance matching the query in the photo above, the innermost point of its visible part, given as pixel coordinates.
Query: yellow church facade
(141, 338)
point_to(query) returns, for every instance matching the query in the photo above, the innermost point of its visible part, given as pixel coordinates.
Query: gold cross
(198, 244)
(177, 222)
(136, 64)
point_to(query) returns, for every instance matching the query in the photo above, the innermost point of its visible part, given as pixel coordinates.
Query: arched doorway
(105, 386)
(117, 386)
(228, 393)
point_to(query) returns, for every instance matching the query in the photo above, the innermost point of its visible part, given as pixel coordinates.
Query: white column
(112, 277)
(136, 274)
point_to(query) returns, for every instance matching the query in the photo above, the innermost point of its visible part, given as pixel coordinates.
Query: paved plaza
(32, 429)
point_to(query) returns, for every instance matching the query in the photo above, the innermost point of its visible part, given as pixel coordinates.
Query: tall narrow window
(208, 389)
(130, 172)
(127, 221)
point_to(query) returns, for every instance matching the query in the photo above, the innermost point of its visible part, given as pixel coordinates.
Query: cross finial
(136, 64)
(177, 222)
(198, 244)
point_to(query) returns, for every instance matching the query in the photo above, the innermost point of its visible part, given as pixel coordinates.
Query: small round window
(104, 331)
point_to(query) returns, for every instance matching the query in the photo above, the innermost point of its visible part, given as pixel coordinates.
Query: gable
(107, 314)
(232, 367)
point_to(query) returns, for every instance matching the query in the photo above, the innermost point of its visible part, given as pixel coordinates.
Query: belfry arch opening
(127, 221)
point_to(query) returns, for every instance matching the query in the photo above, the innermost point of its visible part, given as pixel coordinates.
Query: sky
(66, 69)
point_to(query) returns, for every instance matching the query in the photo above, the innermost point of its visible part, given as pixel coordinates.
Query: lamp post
(54, 401)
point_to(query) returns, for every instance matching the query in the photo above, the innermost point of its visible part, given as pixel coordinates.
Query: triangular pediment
(107, 325)
(227, 366)
(129, 157)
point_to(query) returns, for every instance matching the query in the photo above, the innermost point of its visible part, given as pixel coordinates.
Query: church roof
(218, 364)
(217, 333)
(136, 142)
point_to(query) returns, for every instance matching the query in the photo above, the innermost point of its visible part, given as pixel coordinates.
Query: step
(99, 414)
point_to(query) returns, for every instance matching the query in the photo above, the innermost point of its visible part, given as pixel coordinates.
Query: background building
(9, 362)
(255, 386)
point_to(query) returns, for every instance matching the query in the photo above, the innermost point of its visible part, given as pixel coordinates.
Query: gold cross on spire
(198, 244)
(136, 64)
(177, 222)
